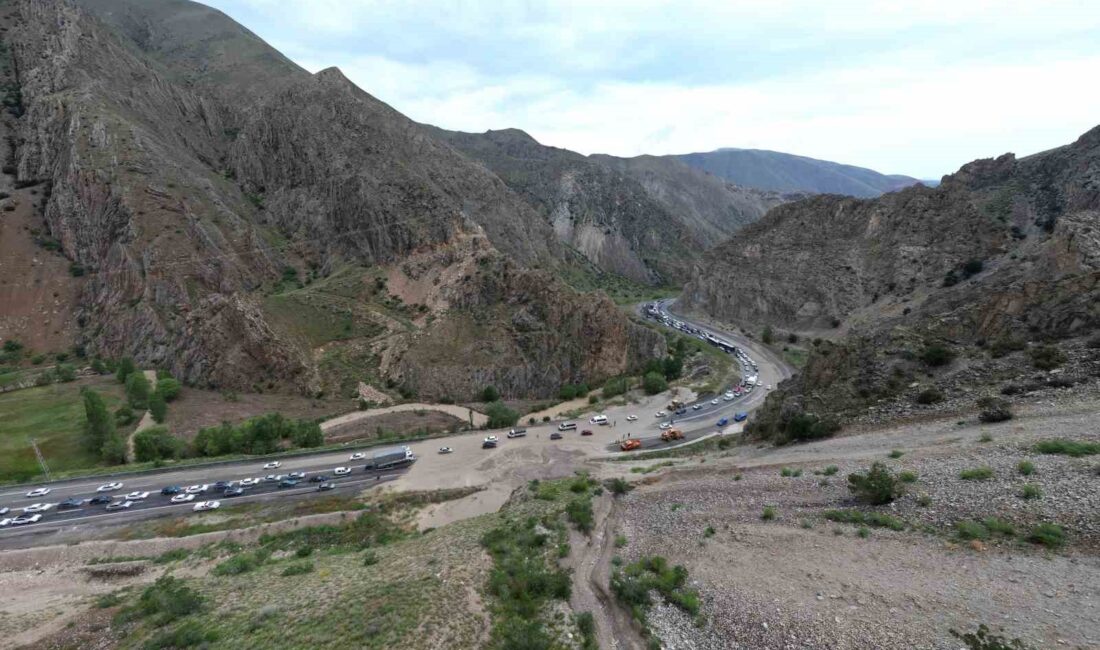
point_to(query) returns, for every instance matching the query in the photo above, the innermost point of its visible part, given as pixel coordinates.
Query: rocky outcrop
(192, 168)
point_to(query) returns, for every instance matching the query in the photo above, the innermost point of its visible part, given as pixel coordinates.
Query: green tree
(158, 407)
(673, 367)
(877, 487)
(767, 336)
(99, 367)
(98, 423)
(500, 416)
(137, 391)
(490, 394)
(567, 392)
(125, 369)
(654, 383)
(114, 449)
(169, 388)
(156, 443)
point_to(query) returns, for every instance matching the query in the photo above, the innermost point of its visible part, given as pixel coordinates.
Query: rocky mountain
(999, 261)
(784, 172)
(646, 218)
(246, 224)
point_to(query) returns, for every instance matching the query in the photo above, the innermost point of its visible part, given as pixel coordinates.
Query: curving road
(695, 423)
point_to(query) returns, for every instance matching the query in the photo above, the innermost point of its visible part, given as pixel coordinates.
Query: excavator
(675, 405)
(630, 444)
(668, 435)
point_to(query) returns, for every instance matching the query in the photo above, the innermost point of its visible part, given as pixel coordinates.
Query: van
(517, 433)
(599, 419)
(567, 426)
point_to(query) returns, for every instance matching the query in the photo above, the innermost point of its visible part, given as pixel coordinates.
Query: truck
(391, 457)
(675, 405)
(672, 434)
(630, 444)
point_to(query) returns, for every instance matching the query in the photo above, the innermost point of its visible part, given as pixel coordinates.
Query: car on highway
(681, 411)
(696, 407)
(220, 486)
(586, 432)
(109, 487)
(26, 519)
(287, 483)
(723, 422)
(318, 478)
(665, 425)
(273, 477)
(4, 523)
(38, 507)
(714, 402)
(488, 443)
(445, 450)
(490, 438)
(555, 436)
(119, 505)
(202, 506)
(728, 397)
(740, 416)
(100, 499)
(69, 504)
(4, 511)
(197, 489)
(233, 492)
(631, 418)
(183, 498)
(341, 471)
(170, 490)
(296, 475)
(249, 482)
(326, 486)
(38, 492)
(660, 414)
(357, 456)
(272, 465)
(137, 496)
(768, 387)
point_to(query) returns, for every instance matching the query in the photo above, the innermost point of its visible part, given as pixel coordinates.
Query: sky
(915, 88)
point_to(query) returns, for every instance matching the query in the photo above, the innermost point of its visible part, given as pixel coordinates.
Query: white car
(768, 387)
(109, 487)
(21, 521)
(714, 402)
(445, 450)
(357, 456)
(197, 489)
(4, 511)
(38, 507)
(660, 414)
(4, 523)
(119, 505)
(490, 438)
(38, 492)
(183, 498)
(273, 465)
(249, 482)
(631, 418)
(137, 496)
(696, 407)
(341, 471)
(273, 477)
(207, 505)
(665, 425)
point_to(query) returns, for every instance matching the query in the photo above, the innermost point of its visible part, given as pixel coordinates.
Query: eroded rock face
(189, 167)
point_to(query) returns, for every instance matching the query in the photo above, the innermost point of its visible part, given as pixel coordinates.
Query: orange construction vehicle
(630, 444)
(669, 435)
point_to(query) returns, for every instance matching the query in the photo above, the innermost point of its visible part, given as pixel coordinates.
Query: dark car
(170, 490)
(586, 432)
(723, 422)
(681, 411)
(326, 486)
(287, 483)
(555, 436)
(68, 504)
(100, 499)
(233, 492)
(318, 478)
(221, 485)
(297, 475)
(489, 444)
(740, 416)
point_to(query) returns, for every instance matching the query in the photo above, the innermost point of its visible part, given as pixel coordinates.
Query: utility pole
(41, 460)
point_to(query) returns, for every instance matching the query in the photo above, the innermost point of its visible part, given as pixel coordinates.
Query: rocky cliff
(198, 180)
(646, 219)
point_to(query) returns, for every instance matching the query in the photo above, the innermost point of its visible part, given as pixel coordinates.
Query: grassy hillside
(54, 416)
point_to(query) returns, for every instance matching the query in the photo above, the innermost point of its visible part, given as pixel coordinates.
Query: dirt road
(460, 412)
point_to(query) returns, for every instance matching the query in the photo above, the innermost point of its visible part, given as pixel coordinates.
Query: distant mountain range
(784, 172)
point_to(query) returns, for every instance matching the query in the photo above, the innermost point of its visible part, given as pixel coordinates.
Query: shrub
(907, 477)
(1048, 535)
(863, 532)
(1025, 467)
(98, 424)
(709, 531)
(1046, 357)
(500, 415)
(618, 486)
(169, 388)
(807, 426)
(155, 443)
(878, 486)
(593, 398)
(968, 530)
(976, 474)
(768, 514)
(370, 558)
(137, 391)
(985, 437)
(930, 396)
(936, 355)
(767, 336)
(173, 555)
(185, 635)
(972, 267)
(167, 600)
(567, 392)
(490, 394)
(999, 526)
(830, 470)
(994, 409)
(579, 511)
(1006, 345)
(1068, 448)
(238, 564)
(787, 472)
(158, 408)
(1030, 491)
(614, 387)
(924, 501)
(983, 640)
(877, 519)
(654, 383)
(896, 453)
(298, 568)
(125, 369)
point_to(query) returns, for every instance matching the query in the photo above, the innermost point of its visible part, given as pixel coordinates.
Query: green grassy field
(54, 416)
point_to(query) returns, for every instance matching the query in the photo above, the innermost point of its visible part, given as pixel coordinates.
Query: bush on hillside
(156, 443)
(936, 355)
(994, 409)
(1046, 357)
(169, 388)
(877, 487)
(654, 383)
(500, 416)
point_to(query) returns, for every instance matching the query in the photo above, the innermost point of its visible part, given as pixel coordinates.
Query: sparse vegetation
(830, 470)
(1046, 357)
(878, 486)
(976, 474)
(907, 477)
(930, 396)
(896, 453)
(876, 519)
(634, 584)
(768, 514)
(994, 409)
(1048, 535)
(937, 354)
(1071, 448)
(984, 640)
(1025, 467)
(787, 472)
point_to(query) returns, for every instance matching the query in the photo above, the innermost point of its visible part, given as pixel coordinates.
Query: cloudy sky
(907, 87)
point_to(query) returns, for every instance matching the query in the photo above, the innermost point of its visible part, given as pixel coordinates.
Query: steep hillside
(1000, 259)
(196, 178)
(784, 172)
(646, 220)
